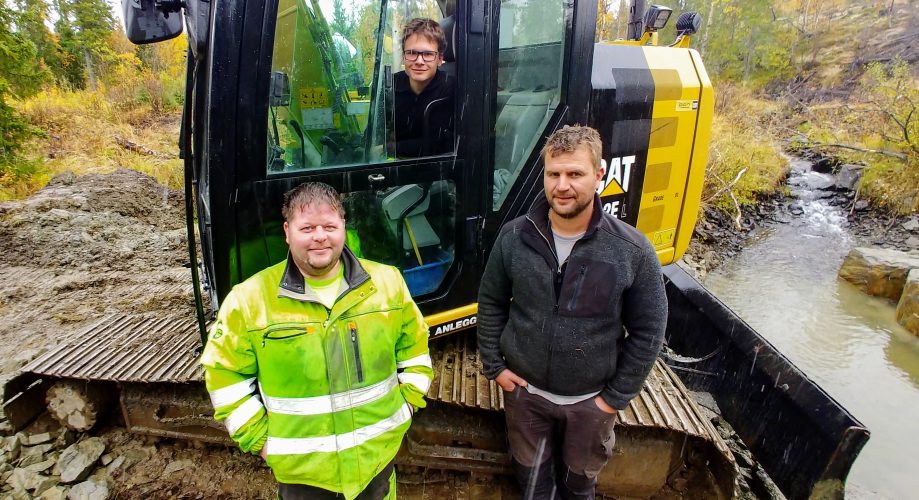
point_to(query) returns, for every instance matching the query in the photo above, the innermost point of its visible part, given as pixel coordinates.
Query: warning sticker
(663, 238)
(314, 97)
(687, 105)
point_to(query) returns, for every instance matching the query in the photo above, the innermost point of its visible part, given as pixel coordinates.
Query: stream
(784, 285)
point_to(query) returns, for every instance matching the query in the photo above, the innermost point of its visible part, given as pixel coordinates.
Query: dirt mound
(96, 222)
(84, 247)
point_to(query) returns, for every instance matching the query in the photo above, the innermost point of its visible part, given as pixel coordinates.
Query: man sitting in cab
(423, 94)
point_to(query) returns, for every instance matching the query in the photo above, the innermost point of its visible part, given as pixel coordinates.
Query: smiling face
(419, 71)
(315, 234)
(570, 181)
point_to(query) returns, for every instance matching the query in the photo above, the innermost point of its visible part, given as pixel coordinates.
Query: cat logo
(616, 179)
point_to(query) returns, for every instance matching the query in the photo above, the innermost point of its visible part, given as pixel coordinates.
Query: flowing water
(784, 284)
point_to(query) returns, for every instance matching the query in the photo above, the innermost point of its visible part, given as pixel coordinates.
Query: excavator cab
(289, 96)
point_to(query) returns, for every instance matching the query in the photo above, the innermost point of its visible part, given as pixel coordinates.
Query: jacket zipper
(577, 288)
(300, 329)
(357, 352)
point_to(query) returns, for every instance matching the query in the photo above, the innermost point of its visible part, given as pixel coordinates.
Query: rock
(45, 484)
(54, 493)
(878, 271)
(77, 461)
(34, 439)
(848, 176)
(22, 480)
(35, 451)
(40, 466)
(115, 465)
(90, 490)
(912, 242)
(861, 206)
(177, 465)
(911, 225)
(12, 446)
(823, 165)
(908, 307)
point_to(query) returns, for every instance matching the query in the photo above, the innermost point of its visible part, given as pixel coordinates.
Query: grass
(82, 130)
(744, 139)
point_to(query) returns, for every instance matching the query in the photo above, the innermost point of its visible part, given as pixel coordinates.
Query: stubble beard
(575, 211)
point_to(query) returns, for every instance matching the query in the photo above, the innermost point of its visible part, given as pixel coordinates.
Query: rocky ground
(77, 250)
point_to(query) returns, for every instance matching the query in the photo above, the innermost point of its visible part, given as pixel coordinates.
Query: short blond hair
(569, 138)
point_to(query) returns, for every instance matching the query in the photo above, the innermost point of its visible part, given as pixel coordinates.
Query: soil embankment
(80, 249)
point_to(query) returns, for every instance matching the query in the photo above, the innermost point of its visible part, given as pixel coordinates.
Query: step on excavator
(276, 95)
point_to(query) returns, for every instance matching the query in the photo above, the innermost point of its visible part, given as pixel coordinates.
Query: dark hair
(311, 193)
(569, 139)
(427, 28)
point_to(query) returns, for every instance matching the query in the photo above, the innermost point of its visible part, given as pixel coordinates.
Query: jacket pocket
(285, 332)
(356, 346)
(588, 289)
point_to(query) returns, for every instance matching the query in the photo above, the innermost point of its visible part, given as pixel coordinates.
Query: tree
(341, 22)
(84, 27)
(32, 23)
(17, 57)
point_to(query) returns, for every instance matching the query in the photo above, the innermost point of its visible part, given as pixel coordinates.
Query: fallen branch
(739, 213)
(140, 149)
(727, 186)
(884, 152)
(855, 199)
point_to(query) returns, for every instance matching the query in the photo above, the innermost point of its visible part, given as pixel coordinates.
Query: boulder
(912, 224)
(878, 271)
(848, 176)
(908, 307)
(77, 461)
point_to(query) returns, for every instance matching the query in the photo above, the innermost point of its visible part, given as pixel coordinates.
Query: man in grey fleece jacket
(572, 312)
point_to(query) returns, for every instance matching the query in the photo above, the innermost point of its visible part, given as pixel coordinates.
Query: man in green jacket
(318, 363)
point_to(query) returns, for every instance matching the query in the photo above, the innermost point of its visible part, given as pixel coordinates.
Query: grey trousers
(558, 450)
(376, 490)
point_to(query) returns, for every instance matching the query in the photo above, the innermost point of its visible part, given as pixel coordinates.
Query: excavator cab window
(331, 90)
(531, 51)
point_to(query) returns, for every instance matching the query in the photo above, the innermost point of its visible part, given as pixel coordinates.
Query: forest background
(832, 77)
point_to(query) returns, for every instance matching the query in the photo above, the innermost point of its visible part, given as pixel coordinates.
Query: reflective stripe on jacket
(338, 385)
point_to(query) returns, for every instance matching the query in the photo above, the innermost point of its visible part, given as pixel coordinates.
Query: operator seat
(448, 24)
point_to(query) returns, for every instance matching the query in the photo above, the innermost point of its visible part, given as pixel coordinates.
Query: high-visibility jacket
(328, 393)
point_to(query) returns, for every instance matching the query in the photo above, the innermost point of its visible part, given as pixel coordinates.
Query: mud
(85, 247)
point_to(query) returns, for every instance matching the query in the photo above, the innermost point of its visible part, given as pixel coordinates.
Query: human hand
(509, 380)
(605, 408)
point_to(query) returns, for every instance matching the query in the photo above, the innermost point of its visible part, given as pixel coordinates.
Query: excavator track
(152, 361)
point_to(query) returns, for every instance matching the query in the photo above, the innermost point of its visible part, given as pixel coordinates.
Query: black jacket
(563, 330)
(406, 117)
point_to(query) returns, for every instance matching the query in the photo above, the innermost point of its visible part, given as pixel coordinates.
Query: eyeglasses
(426, 55)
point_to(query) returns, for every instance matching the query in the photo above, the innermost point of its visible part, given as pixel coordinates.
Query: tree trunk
(708, 27)
(78, 405)
(91, 73)
(748, 59)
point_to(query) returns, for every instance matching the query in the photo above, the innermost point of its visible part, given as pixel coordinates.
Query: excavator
(277, 95)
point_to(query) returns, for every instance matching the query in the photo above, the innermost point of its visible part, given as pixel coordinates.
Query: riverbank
(717, 237)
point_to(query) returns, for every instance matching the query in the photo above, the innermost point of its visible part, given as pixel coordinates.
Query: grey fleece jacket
(562, 330)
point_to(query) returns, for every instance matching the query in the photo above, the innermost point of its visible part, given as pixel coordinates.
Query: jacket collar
(401, 82)
(539, 216)
(293, 285)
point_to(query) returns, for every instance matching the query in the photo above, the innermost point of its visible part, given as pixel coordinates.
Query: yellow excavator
(276, 96)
